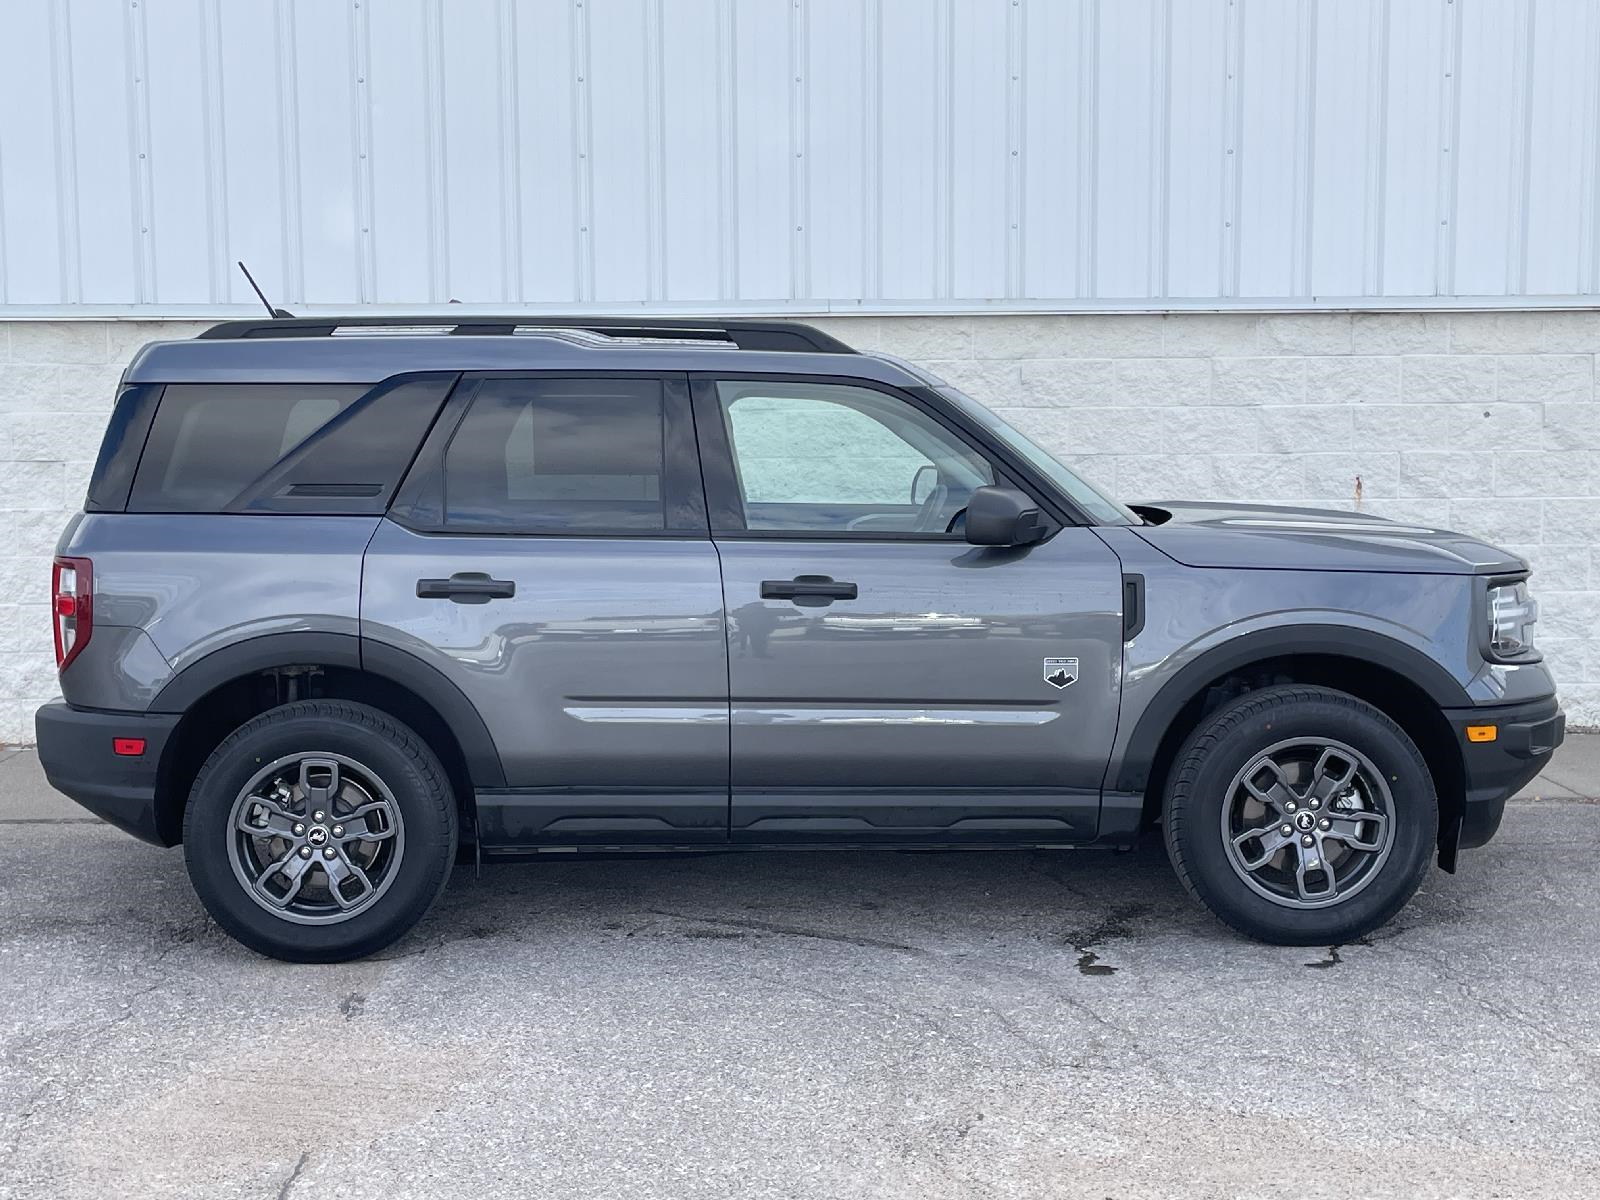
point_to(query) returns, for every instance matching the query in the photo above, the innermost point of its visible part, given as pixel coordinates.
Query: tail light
(72, 606)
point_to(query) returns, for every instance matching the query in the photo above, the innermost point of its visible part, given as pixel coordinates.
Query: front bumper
(75, 750)
(1526, 736)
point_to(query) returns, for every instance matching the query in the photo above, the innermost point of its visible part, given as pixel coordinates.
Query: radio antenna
(277, 314)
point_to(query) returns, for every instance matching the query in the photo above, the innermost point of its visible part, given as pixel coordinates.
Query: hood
(1199, 534)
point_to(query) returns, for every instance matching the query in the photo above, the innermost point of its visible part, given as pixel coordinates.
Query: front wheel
(1301, 816)
(320, 831)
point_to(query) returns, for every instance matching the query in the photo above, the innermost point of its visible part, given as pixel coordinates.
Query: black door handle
(466, 587)
(808, 591)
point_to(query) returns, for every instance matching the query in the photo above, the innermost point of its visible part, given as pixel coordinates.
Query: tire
(1283, 900)
(386, 841)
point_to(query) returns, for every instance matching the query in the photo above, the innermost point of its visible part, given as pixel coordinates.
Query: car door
(549, 556)
(888, 680)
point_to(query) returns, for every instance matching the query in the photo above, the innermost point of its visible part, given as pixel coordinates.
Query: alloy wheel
(1308, 822)
(315, 838)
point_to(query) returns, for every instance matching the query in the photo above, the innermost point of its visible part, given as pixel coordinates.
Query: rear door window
(539, 455)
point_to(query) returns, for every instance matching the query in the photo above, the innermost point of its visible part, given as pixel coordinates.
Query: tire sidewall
(1198, 840)
(382, 746)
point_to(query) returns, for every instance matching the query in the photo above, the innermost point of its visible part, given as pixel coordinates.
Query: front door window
(837, 459)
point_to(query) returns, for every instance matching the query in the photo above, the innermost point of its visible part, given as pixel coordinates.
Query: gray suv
(352, 599)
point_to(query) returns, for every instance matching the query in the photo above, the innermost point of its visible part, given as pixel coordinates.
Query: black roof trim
(745, 335)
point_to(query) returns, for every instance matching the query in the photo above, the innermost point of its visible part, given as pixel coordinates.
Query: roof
(369, 350)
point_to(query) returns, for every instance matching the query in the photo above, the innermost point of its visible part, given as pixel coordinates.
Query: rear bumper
(75, 750)
(1526, 736)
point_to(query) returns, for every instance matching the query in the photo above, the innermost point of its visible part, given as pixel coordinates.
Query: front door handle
(466, 587)
(808, 591)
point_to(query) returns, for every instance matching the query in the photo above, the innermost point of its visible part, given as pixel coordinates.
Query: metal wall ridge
(800, 155)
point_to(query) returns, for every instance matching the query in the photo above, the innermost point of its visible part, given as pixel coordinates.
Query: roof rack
(743, 335)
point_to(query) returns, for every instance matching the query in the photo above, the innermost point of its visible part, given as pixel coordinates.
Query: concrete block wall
(1485, 422)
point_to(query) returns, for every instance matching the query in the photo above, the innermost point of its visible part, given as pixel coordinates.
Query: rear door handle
(466, 587)
(808, 591)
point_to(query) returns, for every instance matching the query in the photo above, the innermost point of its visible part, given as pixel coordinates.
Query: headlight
(1512, 615)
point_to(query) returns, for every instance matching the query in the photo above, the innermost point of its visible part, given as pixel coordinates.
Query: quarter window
(208, 443)
(834, 458)
(558, 455)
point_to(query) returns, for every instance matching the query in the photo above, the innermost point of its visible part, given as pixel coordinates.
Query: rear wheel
(320, 831)
(1301, 815)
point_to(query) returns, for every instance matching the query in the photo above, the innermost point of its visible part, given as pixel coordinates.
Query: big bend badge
(1061, 672)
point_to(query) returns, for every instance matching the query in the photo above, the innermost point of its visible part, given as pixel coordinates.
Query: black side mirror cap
(999, 516)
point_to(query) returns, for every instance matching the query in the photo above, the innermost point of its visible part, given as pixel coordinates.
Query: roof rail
(744, 335)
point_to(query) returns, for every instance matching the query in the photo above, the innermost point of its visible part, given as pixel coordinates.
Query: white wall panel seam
(510, 155)
(1449, 151)
(583, 111)
(1233, 152)
(872, 149)
(143, 190)
(1159, 280)
(800, 87)
(728, 143)
(5, 273)
(1017, 141)
(218, 262)
(655, 161)
(288, 106)
(361, 169)
(1088, 146)
(437, 152)
(1520, 175)
(1589, 231)
(1374, 226)
(1305, 190)
(71, 284)
(944, 144)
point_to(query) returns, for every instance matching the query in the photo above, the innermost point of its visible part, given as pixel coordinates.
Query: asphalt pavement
(979, 1024)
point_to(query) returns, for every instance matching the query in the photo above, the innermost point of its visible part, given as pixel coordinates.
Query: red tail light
(72, 607)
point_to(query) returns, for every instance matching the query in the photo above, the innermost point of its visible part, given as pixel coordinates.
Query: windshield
(1098, 506)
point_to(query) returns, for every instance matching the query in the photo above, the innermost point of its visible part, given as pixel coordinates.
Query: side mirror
(998, 516)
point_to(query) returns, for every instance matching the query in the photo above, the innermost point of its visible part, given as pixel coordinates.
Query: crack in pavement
(283, 1192)
(795, 931)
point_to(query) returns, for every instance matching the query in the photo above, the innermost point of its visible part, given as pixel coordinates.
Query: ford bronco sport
(351, 598)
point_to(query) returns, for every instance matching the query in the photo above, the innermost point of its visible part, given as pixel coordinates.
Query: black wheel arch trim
(1132, 774)
(379, 659)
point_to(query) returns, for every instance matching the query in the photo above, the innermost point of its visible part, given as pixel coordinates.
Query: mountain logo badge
(1061, 672)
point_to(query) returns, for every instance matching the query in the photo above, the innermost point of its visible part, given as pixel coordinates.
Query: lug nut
(338, 831)
(305, 851)
(317, 817)
(1316, 803)
(1307, 840)
(1286, 830)
(1290, 807)
(1325, 823)
(328, 853)
(299, 829)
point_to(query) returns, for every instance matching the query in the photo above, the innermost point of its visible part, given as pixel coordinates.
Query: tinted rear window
(306, 448)
(209, 442)
(558, 455)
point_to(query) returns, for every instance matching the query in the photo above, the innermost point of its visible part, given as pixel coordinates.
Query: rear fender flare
(376, 659)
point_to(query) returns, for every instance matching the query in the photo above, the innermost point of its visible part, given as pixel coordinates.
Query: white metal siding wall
(798, 153)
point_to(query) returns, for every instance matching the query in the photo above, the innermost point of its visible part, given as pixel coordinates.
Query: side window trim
(419, 501)
(725, 495)
(258, 495)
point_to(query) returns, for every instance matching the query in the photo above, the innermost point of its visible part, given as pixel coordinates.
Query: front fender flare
(1132, 774)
